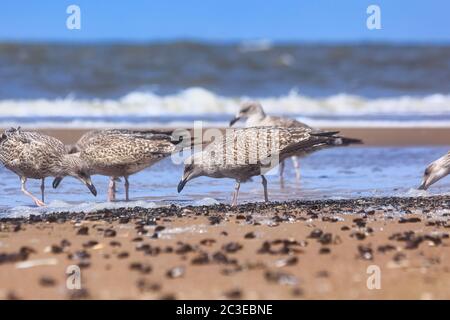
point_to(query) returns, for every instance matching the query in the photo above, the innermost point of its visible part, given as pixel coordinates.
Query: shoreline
(321, 249)
(395, 136)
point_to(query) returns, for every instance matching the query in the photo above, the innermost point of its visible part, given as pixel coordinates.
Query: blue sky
(226, 20)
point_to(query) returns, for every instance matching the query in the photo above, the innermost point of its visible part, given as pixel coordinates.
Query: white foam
(86, 207)
(196, 101)
(206, 202)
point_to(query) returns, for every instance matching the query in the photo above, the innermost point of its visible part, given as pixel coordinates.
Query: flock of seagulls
(242, 153)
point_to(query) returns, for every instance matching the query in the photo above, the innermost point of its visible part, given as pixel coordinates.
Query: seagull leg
(235, 193)
(296, 167)
(281, 174)
(127, 186)
(38, 202)
(112, 189)
(264, 183)
(42, 189)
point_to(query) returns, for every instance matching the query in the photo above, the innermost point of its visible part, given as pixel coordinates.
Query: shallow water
(329, 174)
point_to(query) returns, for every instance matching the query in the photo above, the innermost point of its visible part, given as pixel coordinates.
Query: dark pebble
(140, 267)
(232, 247)
(83, 231)
(123, 255)
(47, 282)
(110, 233)
(233, 294)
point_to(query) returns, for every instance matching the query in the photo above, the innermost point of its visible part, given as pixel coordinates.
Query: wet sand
(293, 250)
(370, 136)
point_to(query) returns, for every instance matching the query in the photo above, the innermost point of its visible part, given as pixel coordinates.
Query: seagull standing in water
(121, 152)
(255, 116)
(436, 171)
(247, 152)
(32, 155)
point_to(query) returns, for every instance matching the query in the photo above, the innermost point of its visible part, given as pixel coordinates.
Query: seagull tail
(335, 139)
(343, 141)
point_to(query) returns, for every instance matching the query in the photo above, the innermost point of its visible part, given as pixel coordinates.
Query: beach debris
(365, 252)
(250, 235)
(115, 243)
(280, 277)
(123, 255)
(109, 233)
(83, 231)
(232, 247)
(79, 294)
(289, 261)
(175, 272)
(141, 267)
(202, 258)
(144, 285)
(315, 234)
(21, 255)
(233, 294)
(207, 242)
(46, 281)
(409, 220)
(386, 248)
(36, 263)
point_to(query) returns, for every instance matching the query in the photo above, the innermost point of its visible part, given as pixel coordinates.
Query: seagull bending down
(246, 152)
(32, 155)
(435, 171)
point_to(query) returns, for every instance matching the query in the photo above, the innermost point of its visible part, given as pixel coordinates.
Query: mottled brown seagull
(247, 152)
(435, 171)
(36, 156)
(255, 116)
(121, 152)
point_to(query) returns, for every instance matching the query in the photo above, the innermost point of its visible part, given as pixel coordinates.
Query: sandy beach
(295, 250)
(324, 249)
(391, 136)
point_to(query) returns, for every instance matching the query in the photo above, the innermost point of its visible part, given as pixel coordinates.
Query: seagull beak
(423, 186)
(90, 185)
(236, 119)
(181, 184)
(56, 182)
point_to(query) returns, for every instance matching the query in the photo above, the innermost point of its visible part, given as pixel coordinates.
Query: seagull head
(435, 171)
(74, 166)
(192, 170)
(248, 109)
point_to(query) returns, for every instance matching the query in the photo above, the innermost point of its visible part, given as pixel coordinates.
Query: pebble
(175, 272)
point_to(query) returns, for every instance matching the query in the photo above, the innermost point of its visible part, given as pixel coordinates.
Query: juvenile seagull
(436, 171)
(256, 117)
(121, 153)
(247, 152)
(37, 156)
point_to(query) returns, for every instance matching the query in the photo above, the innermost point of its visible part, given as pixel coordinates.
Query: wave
(202, 101)
(147, 108)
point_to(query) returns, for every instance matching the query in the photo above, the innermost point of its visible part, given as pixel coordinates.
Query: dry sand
(370, 136)
(295, 250)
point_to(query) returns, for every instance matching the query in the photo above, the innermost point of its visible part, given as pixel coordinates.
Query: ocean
(172, 84)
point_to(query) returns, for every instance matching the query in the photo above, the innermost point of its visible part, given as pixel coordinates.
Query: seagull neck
(68, 162)
(256, 118)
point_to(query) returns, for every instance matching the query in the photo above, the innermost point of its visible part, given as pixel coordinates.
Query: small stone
(83, 231)
(175, 272)
(109, 233)
(47, 282)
